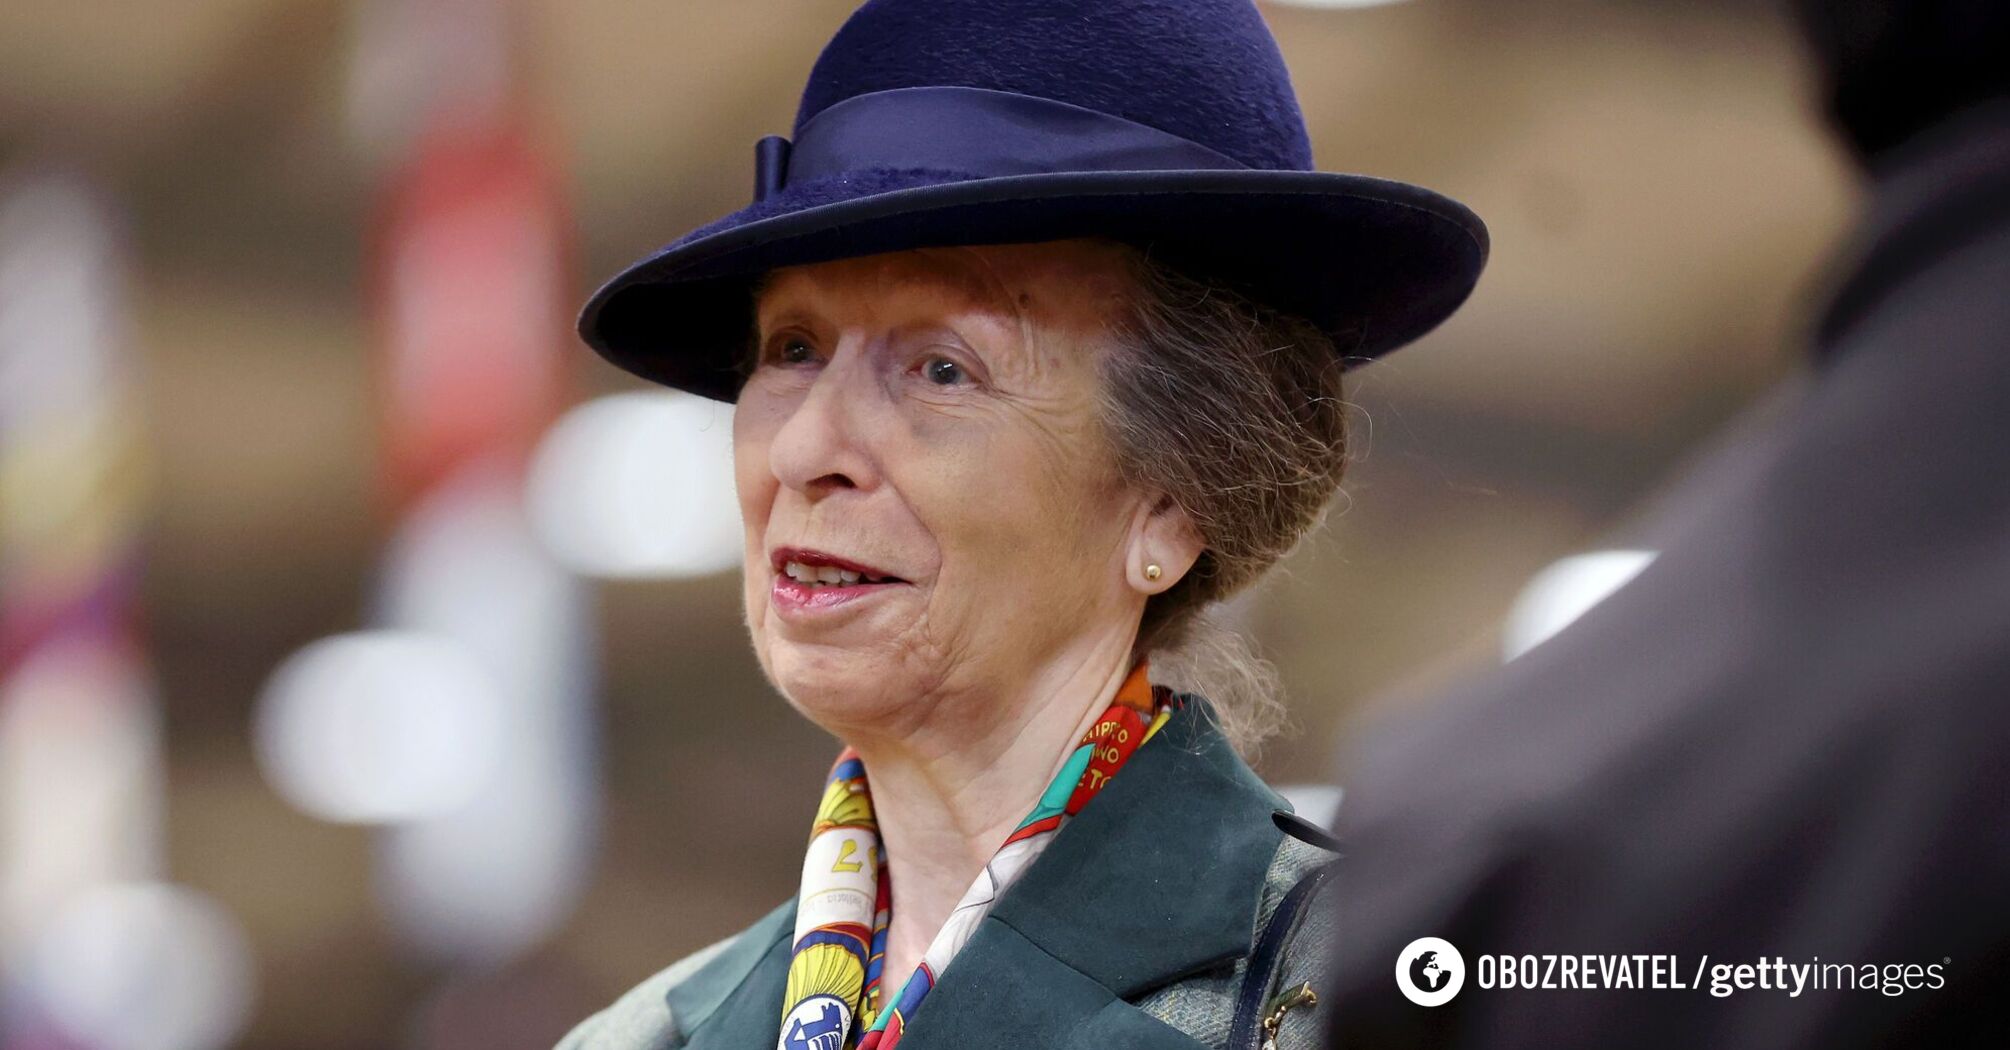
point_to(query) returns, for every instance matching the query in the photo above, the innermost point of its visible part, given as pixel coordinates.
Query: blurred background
(371, 661)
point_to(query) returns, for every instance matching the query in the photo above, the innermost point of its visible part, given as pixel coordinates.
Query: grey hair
(1234, 411)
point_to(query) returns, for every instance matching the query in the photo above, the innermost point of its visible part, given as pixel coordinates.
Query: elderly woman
(1036, 334)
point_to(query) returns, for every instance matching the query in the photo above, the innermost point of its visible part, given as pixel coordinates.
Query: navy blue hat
(1168, 124)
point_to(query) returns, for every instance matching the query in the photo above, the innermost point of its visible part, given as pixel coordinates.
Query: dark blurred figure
(1790, 737)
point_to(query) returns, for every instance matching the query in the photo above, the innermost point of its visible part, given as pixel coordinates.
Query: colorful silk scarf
(834, 998)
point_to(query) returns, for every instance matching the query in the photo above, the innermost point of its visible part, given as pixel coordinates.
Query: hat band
(972, 130)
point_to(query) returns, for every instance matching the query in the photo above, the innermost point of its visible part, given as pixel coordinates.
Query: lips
(810, 583)
(814, 568)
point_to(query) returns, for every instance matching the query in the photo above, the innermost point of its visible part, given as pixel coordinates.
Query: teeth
(823, 575)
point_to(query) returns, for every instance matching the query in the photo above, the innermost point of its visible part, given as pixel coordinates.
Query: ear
(1163, 535)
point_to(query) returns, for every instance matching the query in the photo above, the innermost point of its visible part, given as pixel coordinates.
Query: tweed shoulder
(1201, 1006)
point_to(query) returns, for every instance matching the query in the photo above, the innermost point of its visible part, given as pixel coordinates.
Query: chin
(840, 688)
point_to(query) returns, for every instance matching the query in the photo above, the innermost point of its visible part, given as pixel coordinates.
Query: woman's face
(919, 442)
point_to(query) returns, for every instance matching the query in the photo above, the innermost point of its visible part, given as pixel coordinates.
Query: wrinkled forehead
(1070, 284)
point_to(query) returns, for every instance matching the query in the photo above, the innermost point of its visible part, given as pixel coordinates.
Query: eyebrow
(800, 309)
(761, 285)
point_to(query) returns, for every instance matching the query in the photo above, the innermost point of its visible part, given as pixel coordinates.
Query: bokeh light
(1568, 589)
(378, 726)
(143, 966)
(1318, 803)
(639, 485)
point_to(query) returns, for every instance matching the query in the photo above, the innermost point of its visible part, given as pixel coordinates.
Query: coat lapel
(1160, 879)
(734, 1002)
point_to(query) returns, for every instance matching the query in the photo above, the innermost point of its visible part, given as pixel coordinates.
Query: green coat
(1132, 930)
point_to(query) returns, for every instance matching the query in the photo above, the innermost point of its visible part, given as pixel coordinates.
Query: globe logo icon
(1429, 971)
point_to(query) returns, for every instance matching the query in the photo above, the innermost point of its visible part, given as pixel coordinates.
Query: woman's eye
(942, 371)
(794, 351)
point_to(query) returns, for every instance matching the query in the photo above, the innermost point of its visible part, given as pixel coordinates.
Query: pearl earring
(1153, 572)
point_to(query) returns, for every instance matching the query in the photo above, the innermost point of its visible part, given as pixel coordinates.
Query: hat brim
(1374, 262)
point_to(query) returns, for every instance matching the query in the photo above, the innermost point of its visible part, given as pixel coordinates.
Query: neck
(945, 796)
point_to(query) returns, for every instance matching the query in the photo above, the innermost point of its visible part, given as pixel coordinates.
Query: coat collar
(1160, 879)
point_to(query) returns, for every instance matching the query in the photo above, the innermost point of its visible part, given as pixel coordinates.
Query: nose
(820, 447)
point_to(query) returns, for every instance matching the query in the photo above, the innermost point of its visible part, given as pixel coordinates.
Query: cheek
(754, 483)
(1022, 506)
(754, 426)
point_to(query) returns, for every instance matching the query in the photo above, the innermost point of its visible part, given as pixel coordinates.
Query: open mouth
(817, 570)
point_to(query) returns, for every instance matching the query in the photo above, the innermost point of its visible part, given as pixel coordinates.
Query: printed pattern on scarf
(834, 998)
